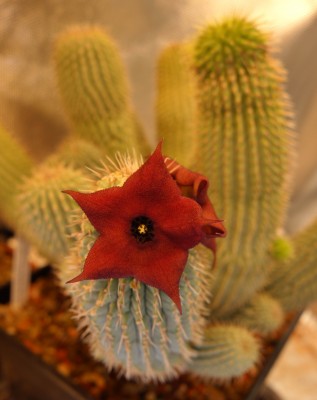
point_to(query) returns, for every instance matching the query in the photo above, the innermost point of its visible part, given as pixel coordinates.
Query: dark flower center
(142, 229)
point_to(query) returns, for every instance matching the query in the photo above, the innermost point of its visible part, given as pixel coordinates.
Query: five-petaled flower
(146, 228)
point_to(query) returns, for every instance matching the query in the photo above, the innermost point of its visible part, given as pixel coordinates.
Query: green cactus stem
(131, 326)
(176, 107)
(94, 89)
(262, 314)
(245, 149)
(294, 282)
(228, 351)
(45, 213)
(15, 165)
(77, 153)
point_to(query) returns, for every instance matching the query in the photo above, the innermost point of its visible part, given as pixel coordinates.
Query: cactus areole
(147, 226)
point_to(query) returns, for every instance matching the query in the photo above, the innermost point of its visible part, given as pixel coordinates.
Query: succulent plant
(15, 164)
(246, 150)
(44, 213)
(176, 106)
(227, 351)
(263, 313)
(244, 135)
(94, 89)
(77, 153)
(239, 132)
(294, 282)
(128, 323)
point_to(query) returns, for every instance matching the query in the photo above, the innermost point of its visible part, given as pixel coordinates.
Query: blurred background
(29, 103)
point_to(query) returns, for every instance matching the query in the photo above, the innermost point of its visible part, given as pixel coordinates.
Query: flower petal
(180, 221)
(196, 186)
(159, 264)
(177, 223)
(99, 206)
(103, 262)
(152, 183)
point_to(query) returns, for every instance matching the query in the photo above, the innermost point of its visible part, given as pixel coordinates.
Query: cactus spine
(246, 150)
(176, 106)
(15, 165)
(94, 89)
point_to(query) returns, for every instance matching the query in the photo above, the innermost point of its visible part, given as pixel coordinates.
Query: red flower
(195, 186)
(146, 228)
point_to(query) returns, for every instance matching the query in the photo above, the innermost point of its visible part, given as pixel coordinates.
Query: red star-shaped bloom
(146, 228)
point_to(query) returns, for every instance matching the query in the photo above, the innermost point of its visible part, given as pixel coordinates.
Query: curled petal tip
(214, 228)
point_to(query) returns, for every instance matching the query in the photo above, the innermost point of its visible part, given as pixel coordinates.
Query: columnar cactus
(263, 314)
(176, 103)
(294, 281)
(15, 164)
(239, 132)
(94, 90)
(44, 213)
(77, 153)
(246, 148)
(227, 351)
(129, 324)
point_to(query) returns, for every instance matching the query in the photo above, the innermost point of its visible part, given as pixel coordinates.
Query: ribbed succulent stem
(176, 107)
(77, 153)
(294, 282)
(262, 314)
(15, 165)
(228, 351)
(45, 213)
(245, 150)
(130, 325)
(94, 89)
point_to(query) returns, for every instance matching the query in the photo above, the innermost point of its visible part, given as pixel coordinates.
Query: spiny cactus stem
(245, 144)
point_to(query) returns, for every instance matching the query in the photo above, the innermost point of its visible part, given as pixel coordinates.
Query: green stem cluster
(15, 165)
(94, 89)
(221, 105)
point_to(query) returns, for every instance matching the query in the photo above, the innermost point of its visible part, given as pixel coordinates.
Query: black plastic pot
(30, 378)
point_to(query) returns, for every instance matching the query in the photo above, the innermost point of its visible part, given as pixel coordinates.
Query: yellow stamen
(142, 229)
